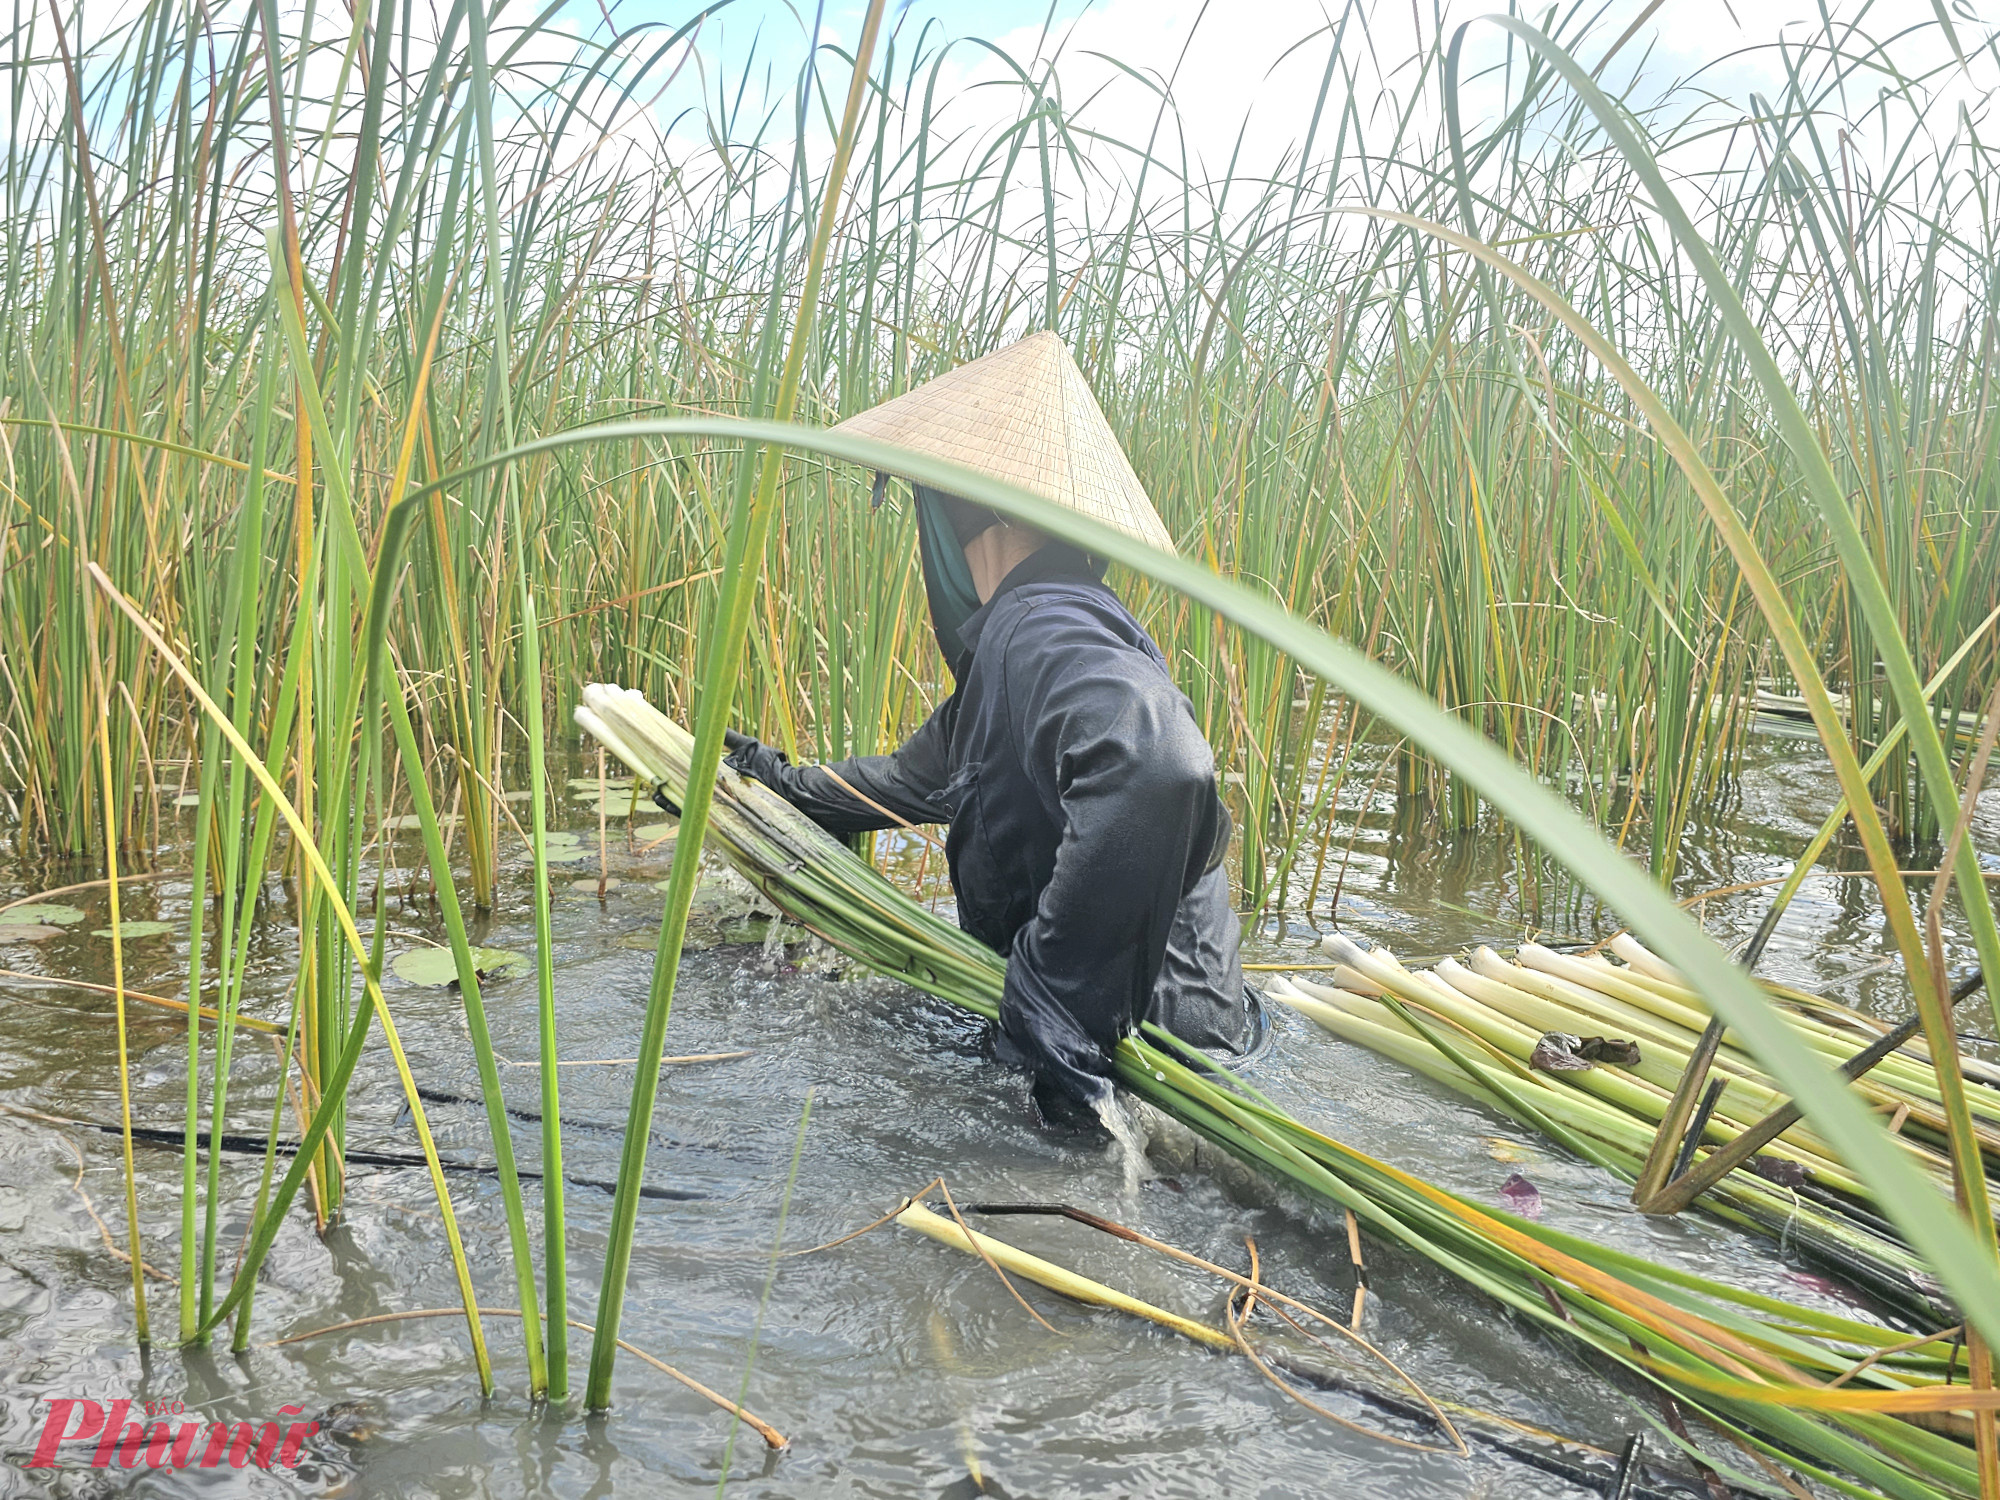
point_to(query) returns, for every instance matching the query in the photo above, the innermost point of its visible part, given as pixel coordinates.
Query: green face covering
(947, 577)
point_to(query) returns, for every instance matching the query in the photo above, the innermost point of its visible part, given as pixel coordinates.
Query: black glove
(773, 768)
(758, 761)
(739, 746)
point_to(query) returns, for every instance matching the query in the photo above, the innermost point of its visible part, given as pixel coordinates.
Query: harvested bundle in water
(1839, 1399)
(1485, 1026)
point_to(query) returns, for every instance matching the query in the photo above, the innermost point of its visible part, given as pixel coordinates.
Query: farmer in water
(1087, 836)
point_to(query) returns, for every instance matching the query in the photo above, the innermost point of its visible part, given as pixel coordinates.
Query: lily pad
(27, 932)
(127, 931)
(563, 848)
(434, 966)
(188, 799)
(703, 934)
(652, 833)
(726, 910)
(589, 885)
(410, 820)
(39, 913)
(616, 806)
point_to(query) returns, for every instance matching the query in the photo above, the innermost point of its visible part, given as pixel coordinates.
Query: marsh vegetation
(371, 381)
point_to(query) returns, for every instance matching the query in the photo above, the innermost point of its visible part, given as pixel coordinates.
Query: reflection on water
(897, 1367)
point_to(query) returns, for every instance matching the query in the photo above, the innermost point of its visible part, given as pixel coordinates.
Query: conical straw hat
(1023, 414)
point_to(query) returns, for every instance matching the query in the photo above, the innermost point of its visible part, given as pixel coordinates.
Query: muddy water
(895, 1366)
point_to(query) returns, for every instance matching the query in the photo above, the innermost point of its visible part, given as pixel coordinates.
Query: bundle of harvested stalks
(1850, 1404)
(1485, 1027)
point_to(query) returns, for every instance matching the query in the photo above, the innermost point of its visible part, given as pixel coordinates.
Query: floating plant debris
(1522, 1196)
(1563, 1052)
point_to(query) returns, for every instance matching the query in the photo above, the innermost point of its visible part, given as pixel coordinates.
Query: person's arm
(904, 785)
(1108, 738)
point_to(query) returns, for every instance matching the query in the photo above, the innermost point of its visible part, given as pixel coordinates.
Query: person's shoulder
(1062, 621)
(1059, 604)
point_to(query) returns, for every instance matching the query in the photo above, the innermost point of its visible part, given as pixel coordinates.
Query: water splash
(776, 936)
(1128, 1141)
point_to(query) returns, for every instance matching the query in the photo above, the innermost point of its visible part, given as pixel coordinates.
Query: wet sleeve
(905, 785)
(1110, 741)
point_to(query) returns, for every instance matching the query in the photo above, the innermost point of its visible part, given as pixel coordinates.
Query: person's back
(1087, 834)
(1088, 839)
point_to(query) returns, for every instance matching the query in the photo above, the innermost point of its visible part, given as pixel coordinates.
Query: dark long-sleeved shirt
(1086, 836)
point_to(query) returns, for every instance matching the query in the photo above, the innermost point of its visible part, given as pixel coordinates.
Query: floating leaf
(617, 806)
(653, 833)
(39, 913)
(750, 929)
(1501, 1149)
(705, 930)
(616, 794)
(127, 931)
(188, 799)
(434, 966)
(26, 932)
(1522, 1196)
(562, 848)
(589, 885)
(411, 820)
